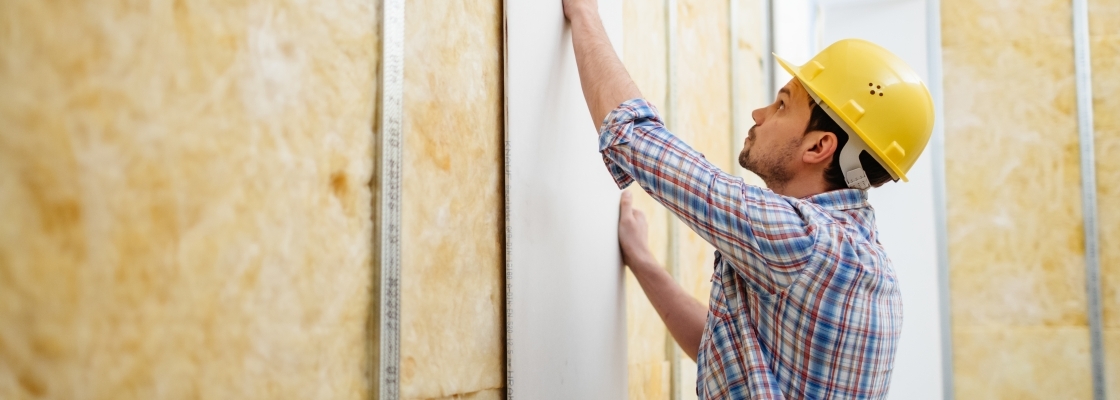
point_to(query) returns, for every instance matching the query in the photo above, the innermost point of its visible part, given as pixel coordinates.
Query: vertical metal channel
(388, 203)
(506, 204)
(940, 206)
(1083, 68)
(672, 242)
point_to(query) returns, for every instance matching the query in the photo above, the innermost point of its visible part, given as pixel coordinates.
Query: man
(804, 301)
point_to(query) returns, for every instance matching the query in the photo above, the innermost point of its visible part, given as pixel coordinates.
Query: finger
(626, 202)
(640, 216)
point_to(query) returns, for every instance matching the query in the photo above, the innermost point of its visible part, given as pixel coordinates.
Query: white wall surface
(905, 211)
(566, 317)
(795, 36)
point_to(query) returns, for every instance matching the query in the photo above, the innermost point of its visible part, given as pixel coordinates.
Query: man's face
(772, 148)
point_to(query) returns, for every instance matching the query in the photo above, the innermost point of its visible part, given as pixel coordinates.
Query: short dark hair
(819, 120)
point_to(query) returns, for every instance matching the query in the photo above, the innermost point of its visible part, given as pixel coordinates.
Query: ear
(819, 146)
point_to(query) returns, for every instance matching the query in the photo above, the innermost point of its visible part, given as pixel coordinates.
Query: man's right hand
(633, 233)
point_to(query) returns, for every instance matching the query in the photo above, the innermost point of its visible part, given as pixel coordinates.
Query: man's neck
(799, 188)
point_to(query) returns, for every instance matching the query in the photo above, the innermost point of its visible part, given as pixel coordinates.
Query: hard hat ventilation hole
(880, 87)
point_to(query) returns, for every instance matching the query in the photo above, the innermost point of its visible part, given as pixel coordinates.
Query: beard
(771, 166)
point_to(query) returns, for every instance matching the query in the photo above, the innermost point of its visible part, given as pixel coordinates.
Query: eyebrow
(786, 91)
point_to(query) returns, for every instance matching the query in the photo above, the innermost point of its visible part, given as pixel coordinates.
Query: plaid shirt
(804, 301)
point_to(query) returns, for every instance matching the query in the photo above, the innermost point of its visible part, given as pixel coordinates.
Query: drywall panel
(904, 211)
(567, 324)
(644, 44)
(185, 195)
(452, 304)
(1014, 206)
(1104, 32)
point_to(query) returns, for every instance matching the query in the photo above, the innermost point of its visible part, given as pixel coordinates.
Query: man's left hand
(633, 233)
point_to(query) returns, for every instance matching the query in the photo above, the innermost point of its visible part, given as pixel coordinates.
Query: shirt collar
(843, 199)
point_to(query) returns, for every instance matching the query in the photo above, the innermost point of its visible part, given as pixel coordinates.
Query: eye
(781, 104)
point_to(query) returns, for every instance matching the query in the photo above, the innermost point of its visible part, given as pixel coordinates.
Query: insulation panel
(1014, 201)
(452, 301)
(185, 194)
(1104, 36)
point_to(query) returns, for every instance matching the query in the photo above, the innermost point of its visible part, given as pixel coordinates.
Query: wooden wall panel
(703, 121)
(703, 114)
(750, 93)
(644, 54)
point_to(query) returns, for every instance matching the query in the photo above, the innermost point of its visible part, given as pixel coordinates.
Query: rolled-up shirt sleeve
(615, 134)
(763, 234)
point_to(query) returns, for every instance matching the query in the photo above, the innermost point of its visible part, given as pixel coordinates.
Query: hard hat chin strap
(849, 163)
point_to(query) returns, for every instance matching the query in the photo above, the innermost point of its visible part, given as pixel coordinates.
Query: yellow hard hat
(874, 94)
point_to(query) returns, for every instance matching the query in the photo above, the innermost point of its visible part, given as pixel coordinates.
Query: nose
(758, 115)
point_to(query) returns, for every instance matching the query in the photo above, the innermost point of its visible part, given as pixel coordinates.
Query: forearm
(604, 79)
(683, 315)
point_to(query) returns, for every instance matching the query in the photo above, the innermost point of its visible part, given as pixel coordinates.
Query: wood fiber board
(750, 90)
(703, 120)
(452, 304)
(184, 190)
(644, 47)
(703, 117)
(566, 319)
